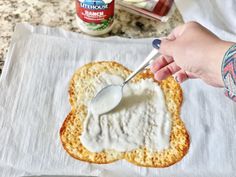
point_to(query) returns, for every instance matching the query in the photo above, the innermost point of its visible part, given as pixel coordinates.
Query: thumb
(168, 44)
(167, 47)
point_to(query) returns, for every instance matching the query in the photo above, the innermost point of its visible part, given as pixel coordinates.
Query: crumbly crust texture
(82, 83)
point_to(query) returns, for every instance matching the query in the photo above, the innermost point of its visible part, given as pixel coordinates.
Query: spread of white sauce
(141, 119)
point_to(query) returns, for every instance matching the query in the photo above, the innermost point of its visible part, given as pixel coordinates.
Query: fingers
(165, 66)
(181, 76)
(166, 71)
(160, 63)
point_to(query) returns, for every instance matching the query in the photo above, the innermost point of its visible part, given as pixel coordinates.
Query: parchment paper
(34, 103)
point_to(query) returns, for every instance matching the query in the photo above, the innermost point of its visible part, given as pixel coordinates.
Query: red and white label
(94, 13)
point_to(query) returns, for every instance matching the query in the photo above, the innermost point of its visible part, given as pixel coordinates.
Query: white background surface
(34, 103)
(217, 15)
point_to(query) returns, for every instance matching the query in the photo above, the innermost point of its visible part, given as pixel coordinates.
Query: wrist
(219, 53)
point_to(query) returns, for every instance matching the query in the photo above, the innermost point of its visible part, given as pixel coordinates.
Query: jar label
(95, 11)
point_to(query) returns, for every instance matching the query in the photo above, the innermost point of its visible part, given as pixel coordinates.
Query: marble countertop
(61, 13)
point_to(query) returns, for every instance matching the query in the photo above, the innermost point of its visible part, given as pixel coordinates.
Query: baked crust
(82, 83)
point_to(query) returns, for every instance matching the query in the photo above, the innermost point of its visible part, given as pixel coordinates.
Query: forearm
(228, 71)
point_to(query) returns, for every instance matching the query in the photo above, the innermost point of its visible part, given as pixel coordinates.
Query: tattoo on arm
(229, 72)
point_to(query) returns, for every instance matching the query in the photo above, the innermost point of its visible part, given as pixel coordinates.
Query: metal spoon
(110, 96)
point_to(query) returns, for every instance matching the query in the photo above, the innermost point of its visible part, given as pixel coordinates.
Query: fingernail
(156, 43)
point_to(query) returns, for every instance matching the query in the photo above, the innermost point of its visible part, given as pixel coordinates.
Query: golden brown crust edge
(79, 111)
(92, 68)
(179, 143)
(98, 158)
(130, 156)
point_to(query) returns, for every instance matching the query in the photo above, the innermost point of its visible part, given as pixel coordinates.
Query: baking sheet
(34, 103)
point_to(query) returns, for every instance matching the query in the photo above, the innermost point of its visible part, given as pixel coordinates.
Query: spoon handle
(153, 53)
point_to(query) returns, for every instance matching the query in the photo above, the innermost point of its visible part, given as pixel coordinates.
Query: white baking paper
(34, 103)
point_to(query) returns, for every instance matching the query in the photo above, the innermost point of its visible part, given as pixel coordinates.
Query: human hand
(191, 51)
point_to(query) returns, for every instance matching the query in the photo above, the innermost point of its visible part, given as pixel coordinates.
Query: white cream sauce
(141, 119)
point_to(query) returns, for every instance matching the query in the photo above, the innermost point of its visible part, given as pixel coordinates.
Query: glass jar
(95, 17)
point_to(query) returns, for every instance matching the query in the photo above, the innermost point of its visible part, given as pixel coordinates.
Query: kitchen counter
(61, 13)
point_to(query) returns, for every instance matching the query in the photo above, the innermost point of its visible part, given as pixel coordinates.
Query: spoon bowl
(106, 99)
